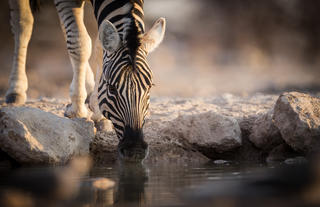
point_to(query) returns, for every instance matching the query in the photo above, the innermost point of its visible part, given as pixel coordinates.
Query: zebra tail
(35, 5)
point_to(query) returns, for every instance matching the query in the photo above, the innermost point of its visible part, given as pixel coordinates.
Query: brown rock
(280, 153)
(297, 116)
(264, 134)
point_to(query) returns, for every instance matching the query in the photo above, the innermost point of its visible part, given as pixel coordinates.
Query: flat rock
(32, 136)
(297, 116)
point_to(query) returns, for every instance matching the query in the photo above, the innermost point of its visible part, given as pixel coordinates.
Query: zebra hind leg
(79, 48)
(21, 20)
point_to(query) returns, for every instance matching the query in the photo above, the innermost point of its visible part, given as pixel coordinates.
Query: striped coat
(122, 89)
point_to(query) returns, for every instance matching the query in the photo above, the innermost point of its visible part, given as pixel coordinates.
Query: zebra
(120, 91)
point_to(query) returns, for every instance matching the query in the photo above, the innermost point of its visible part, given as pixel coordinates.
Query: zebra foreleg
(102, 124)
(89, 82)
(21, 25)
(97, 64)
(79, 48)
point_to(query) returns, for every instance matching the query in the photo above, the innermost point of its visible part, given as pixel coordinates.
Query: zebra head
(125, 83)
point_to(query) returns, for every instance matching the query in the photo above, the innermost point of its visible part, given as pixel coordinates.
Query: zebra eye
(113, 90)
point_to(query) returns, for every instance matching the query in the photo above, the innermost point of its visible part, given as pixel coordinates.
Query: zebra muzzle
(130, 155)
(132, 147)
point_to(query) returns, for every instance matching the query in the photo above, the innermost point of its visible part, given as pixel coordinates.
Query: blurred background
(211, 47)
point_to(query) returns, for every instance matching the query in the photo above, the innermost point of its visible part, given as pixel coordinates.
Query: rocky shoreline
(259, 128)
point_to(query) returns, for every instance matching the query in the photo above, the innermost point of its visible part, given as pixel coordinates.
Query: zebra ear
(154, 36)
(109, 36)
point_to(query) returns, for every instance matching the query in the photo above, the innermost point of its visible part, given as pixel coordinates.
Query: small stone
(296, 160)
(221, 162)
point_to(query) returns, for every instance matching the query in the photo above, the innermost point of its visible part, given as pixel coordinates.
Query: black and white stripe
(123, 92)
(71, 27)
(122, 85)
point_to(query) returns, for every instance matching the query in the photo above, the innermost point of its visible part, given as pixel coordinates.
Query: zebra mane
(133, 41)
(134, 32)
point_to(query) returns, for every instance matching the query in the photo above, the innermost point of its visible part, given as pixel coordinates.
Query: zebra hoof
(70, 112)
(104, 125)
(15, 98)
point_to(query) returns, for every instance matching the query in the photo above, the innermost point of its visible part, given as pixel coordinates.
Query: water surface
(134, 184)
(166, 185)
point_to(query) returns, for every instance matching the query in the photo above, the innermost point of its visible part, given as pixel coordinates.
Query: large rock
(264, 134)
(32, 136)
(208, 132)
(297, 116)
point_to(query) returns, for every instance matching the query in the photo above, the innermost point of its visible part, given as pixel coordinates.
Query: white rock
(297, 116)
(32, 136)
(209, 131)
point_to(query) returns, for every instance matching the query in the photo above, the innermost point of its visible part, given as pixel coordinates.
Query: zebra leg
(21, 25)
(89, 82)
(101, 123)
(93, 103)
(79, 48)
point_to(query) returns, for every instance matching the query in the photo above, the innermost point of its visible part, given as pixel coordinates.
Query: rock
(173, 152)
(162, 150)
(32, 136)
(246, 123)
(248, 152)
(280, 153)
(221, 162)
(166, 144)
(103, 148)
(296, 160)
(208, 132)
(264, 134)
(297, 116)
